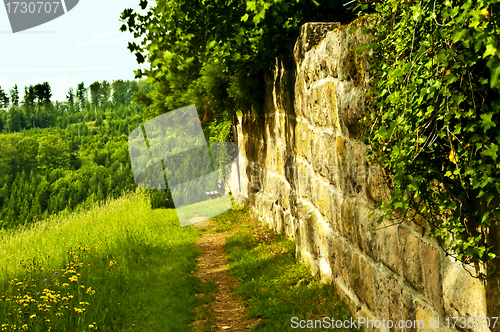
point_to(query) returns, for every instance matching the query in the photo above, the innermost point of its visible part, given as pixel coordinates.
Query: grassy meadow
(122, 266)
(117, 267)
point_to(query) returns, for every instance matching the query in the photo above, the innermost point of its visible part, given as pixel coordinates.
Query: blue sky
(85, 45)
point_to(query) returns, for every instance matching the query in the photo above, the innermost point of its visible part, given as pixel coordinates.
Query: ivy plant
(433, 118)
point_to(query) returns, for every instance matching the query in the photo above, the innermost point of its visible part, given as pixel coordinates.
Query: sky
(83, 45)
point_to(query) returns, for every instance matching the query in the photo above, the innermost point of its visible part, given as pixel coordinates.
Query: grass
(124, 267)
(271, 281)
(118, 267)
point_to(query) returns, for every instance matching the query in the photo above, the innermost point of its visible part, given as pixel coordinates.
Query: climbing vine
(433, 119)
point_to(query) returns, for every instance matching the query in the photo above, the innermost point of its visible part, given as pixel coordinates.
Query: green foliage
(213, 53)
(434, 117)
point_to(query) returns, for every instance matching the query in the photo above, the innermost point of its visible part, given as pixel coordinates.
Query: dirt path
(226, 308)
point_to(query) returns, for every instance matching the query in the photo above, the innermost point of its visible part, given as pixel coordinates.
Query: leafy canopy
(213, 53)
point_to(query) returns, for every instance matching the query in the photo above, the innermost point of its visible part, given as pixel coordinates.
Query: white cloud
(33, 70)
(106, 38)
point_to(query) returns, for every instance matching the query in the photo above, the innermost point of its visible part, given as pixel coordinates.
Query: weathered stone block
(433, 281)
(463, 295)
(303, 140)
(387, 298)
(388, 247)
(367, 230)
(409, 311)
(346, 222)
(310, 35)
(333, 252)
(344, 262)
(321, 105)
(367, 285)
(412, 262)
(304, 176)
(426, 319)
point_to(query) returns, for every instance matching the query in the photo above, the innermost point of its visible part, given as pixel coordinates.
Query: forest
(58, 156)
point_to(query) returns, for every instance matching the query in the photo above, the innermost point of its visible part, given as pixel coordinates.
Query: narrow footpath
(227, 310)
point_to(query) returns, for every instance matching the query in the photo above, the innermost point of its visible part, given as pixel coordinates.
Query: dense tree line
(68, 155)
(64, 155)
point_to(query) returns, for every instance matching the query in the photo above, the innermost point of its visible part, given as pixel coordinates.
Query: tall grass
(117, 267)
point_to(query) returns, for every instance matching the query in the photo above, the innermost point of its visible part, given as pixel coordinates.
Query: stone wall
(306, 175)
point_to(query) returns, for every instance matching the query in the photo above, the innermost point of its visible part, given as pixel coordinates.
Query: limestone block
(350, 103)
(304, 177)
(341, 155)
(318, 151)
(280, 157)
(463, 295)
(286, 195)
(409, 310)
(332, 255)
(426, 319)
(412, 262)
(332, 204)
(362, 280)
(345, 262)
(279, 221)
(320, 105)
(432, 273)
(387, 297)
(367, 230)
(354, 271)
(388, 247)
(325, 271)
(346, 221)
(289, 224)
(303, 140)
(310, 35)
(308, 229)
(376, 188)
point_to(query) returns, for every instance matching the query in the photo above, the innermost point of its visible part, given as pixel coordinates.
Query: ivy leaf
(251, 5)
(139, 57)
(486, 121)
(360, 49)
(353, 29)
(459, 34)
(491, 152)
(490, 50)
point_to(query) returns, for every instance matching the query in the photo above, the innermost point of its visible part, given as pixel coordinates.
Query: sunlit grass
(118, 267)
